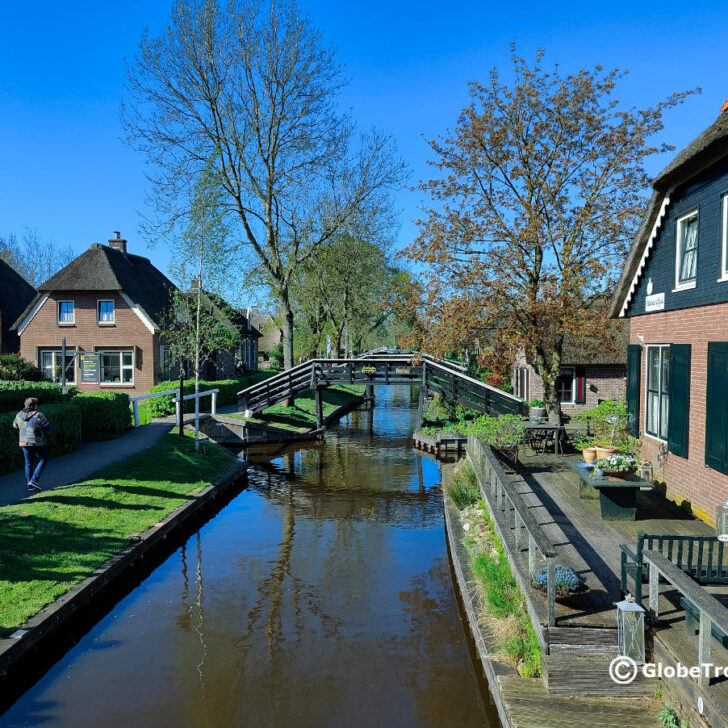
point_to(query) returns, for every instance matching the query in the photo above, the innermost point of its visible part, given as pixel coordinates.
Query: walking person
(33, 426)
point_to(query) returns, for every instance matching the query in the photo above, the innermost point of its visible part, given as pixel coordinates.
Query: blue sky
(65, 171)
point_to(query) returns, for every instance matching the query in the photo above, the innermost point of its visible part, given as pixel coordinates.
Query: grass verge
(504, 606)
(53, 540)
(302, 416)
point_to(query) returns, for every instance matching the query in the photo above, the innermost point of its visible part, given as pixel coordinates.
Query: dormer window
(686, 261)
(105, 312)
(66, 313)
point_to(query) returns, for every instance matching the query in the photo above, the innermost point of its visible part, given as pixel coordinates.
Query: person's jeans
(32, 454)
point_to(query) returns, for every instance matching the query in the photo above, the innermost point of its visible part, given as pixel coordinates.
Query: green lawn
(302, 417)
(53, 540)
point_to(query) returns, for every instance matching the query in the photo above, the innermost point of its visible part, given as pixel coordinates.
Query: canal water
(320, 596)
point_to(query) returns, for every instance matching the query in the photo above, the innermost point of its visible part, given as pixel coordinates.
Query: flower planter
(536, 413)
(509, 454)
(589, 454)
(566, 600)
(618, 473)
(605, 452)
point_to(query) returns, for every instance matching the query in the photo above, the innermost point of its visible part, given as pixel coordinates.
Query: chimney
(195, 285)
(117, 242)
(724, 107)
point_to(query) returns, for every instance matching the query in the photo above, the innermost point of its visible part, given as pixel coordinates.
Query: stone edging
(464, 579)
(50, 622)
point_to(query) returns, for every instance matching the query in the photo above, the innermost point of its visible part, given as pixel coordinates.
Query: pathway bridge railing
(413, 369)
(525, 543)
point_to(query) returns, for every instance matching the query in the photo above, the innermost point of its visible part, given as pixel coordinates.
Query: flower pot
(537, 412)
(605, 452)
(618, 473)
(589, 454)
(565, 599)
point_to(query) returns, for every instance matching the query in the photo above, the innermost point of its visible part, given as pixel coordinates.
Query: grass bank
(503, 604)
(302, 417)
(53, 540)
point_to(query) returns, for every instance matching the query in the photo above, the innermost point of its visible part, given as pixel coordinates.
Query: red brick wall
(603, 381)
(128, 331)
(687, 479)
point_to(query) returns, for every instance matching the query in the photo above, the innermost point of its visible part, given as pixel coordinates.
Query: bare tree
(256, 82)
(33, 258)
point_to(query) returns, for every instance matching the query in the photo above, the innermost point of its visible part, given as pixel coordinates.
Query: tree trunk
(287, 332)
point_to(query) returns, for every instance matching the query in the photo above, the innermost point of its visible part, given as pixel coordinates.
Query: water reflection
(320, 596)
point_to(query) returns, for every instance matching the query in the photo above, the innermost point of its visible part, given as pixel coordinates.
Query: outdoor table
(617, 496)
(545, 428)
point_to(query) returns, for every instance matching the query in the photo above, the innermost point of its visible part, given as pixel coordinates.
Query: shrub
(104, 415)
(502, 432)
(65, 418)
(14, 367)
(495, 380)
(14, 393)
(538, 403)
(229, 388)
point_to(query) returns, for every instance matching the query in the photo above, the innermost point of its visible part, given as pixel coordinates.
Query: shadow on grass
(89, 502)
(146, 490)
(37, 548)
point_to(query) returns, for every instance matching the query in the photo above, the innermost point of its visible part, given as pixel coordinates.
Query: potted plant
(617, 465)
(585, 443)
(504, 433)
(568, 584)
(538, 409)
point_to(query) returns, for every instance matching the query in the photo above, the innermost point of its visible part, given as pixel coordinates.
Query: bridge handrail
(484, 385)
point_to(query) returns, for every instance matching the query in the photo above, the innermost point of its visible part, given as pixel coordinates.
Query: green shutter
(716, 407)
(634, 372)
(679, 408)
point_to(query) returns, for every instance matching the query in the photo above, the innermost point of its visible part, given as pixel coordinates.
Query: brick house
(271, 334)
(674, 291)
(15, 294)
(590, 372)
(107, 302)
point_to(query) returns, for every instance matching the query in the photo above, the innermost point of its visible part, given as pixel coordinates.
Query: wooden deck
(591, 545)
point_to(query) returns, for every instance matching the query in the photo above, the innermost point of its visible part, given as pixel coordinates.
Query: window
(658, 391)
(724, 256)
(565, 386)
(117, 367)
(686, 262)
(66, 314)
(50, 364)
(166, 362)
(105, 312)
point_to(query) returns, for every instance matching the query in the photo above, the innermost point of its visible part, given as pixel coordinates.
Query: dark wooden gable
(704, 193)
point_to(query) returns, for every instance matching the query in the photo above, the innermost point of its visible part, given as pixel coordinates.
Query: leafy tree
(255, 82)
(540, 192)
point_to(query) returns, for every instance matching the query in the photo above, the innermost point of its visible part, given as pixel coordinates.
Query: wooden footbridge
(379, 368)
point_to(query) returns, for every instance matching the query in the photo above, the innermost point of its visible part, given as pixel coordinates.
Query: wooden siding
(704, 194)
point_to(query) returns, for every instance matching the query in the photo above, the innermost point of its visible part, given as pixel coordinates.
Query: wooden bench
(617, 496)
(703, 558)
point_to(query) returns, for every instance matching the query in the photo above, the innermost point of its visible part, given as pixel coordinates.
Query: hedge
(65, 418)
(13, 394)
(105, 415)
(14, 367)
(229, 388)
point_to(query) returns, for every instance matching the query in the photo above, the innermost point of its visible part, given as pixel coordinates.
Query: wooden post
(704, 648)
(319, 408)
(421, 407)
(531, 555)
(654, 591)
(181, 403)
(519, 529)
(213, 406)
(550, 590)
(135, 407)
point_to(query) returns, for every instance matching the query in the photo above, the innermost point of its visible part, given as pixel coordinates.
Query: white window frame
(724, 240)
(98, 312)
(122, 366)
(685, 285)
(562, 373)
(56, 354)
(660, 348)
(72, 322)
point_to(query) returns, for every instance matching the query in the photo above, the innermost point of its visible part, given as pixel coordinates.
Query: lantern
(721, 521)
(644, 471)
(631, 629)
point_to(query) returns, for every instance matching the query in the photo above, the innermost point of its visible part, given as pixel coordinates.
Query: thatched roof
(102, 268)
(15, 294)
(606, 347)
(703, 151)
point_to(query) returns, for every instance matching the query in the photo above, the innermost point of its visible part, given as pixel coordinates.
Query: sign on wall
(655, 302)
(90, 368)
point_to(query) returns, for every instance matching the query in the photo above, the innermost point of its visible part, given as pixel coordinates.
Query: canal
(319, 596)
